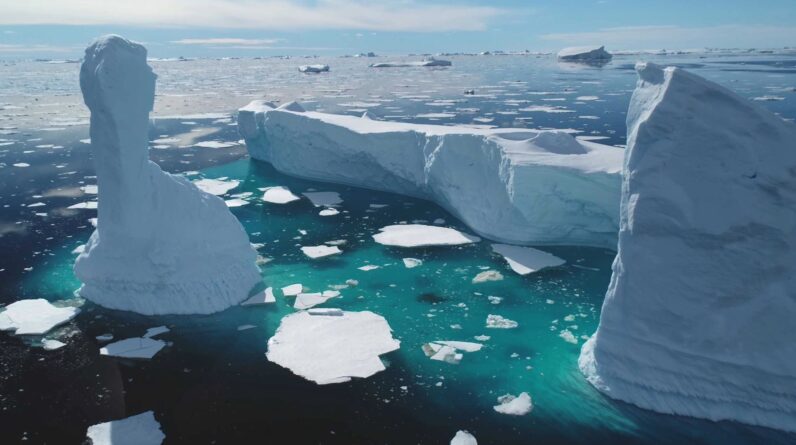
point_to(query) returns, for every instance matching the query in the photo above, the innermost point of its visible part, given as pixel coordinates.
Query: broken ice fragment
(487, 275)
(34, 317)
(137, 347)
(499, 322)
(526, 260)
(514, 406)
(279, 195)
(292, 290)
(419, 235)
(320, 251)
(463, 438)
(264, 297)
(141, 429)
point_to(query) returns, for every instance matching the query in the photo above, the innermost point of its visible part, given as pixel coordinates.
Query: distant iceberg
(162, 246)
(516, 186)
(314, 68)
(698, 317)
(425, 62)
(584, 54)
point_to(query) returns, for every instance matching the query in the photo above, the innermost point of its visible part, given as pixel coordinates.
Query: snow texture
(332, 348)
(698, 316)
(161, 246)
(141, 429)
(515, 186)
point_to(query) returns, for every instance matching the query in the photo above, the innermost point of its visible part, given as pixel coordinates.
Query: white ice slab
(279, 195)
(419, 235)
(320, 251)
(500, 322)
(411, 263)
(292, 290)
(141, 429)
(264, 297)
(463, 438)
(34, 317)
(137, 347)
(514, 405)
(526, 260)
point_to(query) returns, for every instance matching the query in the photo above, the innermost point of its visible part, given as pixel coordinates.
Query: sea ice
(313, 68)
(425, 62)
(154, 332)
(526, 260)
(698, 317)
(487, 275)
(584, 54)
(141, 429)
(499, 322)
(306, 301)
(137, 347)
(51, 345)
(512, 185)
(463, 438)
(320, 251)
(164, 246)
(324, 199)
(34, 317)
(332, 348)
(216, 187)
(419, 235)
(448, 351)
(279, 195)
(329, 212)
(514, 405)
(411, 263)
(264, 297)
(292, 290)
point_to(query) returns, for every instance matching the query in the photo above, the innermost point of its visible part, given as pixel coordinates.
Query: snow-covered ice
(137, 347)
(34, 317)
(584, 54)
(526, 260)
(306, 301)
(420, 235)
(449, 351)
(487, 275)
(279, 195)
(499, 322)
(511, 185)
(514, 405)
(463, 438)
(292, 290)
(216, 187)
(264, 297)
(332, 348)
(141, 429)
(698, 317)
(163, 246)
(320, 251)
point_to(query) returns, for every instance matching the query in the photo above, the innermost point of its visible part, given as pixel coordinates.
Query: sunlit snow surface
(212, 381)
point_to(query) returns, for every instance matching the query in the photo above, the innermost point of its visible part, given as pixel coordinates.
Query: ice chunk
(216, 187)
(34, 317)
(154, 332)
(584, 54)
(511, 185)
(425, 62)
(526, 260)
(419, 235)
(514, 405)
(137, 347)
(320, 251)
(292, 290)
(698, 317)
(141, 429)
(163, 246)
(499, 322)
(323, 199)
(411, 263)
(368, 267)
(329, 212)
(264, 297)
(332, 349)
(279, 195)
(487, 275)
(51, 345)
(306, 301)
(463, 438)
(313, 68)
(448, 351)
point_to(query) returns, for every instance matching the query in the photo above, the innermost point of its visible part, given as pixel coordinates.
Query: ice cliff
(512, 185)
(161, 245)
(698, 316)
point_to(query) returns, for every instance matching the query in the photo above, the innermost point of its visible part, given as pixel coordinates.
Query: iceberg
(34, 317)
(584, 54)
(162, 246)
(422, 63)
(313, 68)
(698, 314)
(141, 429)
(420, 235)
(332, 347)
(279, 195)
(514, 186)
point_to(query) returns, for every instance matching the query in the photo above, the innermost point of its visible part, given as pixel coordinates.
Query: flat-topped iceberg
(34, 317)
(141, 429)
(332, 347)
(698, 317)
(516, 186)
(584, 54)
(162, 246)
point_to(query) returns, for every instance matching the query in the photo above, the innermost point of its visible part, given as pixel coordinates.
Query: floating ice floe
(264, 297)
(449, 351)
(51, 345)
(136, 347)
(568, 336)
(34, 317)
(164, 245)
(499, 322)
(584, 54)
(84, 205)
(324, 199)
(141, 429)
(420, 235)
(425, 62)
(487, 275)
(215, 144)
(463, 438)
(292, 290)
(236, 202)
(514, 185)
(411, 263)
(526, 260)
(698, 317)
(320, 251)
(158, 330)
(329, 212)
(368, 267)
(216, 187)
(313, 68)
(306, 301)
(332, 348)
(279, 195)
(514, 405)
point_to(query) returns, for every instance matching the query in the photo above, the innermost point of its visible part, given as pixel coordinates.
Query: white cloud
(388, 15)
(228, 41)
(677, 37)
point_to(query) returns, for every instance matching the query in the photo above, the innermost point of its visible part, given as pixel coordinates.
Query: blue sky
(169, 28)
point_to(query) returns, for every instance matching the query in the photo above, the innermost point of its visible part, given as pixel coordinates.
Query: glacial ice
(419, 235)
(463, 438)
(162, 246)
(514, 405)
(332, 348)
(515, 186)
(584, 54)
(34, 317)
(526, 260)
(141, 429)
(698, 317)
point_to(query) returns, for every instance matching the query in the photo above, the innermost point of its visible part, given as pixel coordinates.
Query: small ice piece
(499, 322)
(137, 347)
(420, 235)
(526, 260)
(514, 406)
(568, 337)
(154, 332)
(324, 199)
(214, 144)
(264, 297)
(332, 349)
(331, 211)
(141, 429)
(487, 275)
(79, 249)
(306, 301)
(463, 438)
(449, 351)
(320, 251)
(104, 337)
(313, 68)
(328, 312)
(292, 290)
(368, 267)
(236, 202)
(411, 263)
(34, 317)
(494, 300)
(51, 345)
(216, 187)
(279, 195)
(84, 205)
(245, 327)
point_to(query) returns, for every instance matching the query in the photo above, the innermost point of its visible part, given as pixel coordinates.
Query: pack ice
(698, 316)
(511, 185)
(162, 246)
